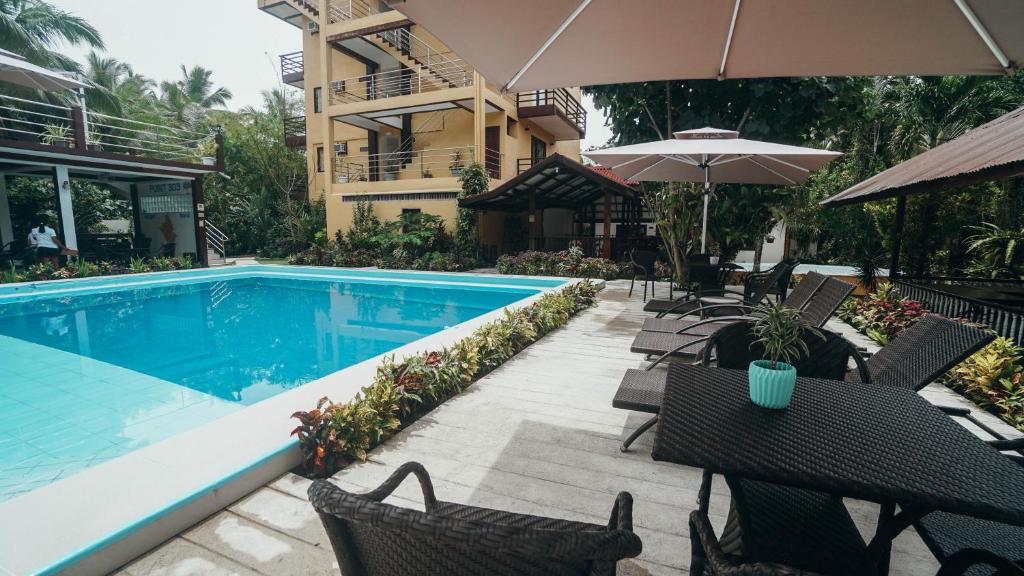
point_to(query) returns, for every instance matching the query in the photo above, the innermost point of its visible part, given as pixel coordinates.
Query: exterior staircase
(418, 55)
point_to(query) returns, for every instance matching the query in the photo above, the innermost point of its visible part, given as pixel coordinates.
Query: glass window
(318, 105)
(319, 158)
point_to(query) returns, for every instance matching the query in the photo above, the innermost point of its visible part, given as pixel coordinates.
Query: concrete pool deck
(538, 435)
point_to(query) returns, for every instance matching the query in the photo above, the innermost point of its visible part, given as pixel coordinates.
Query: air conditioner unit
(313, 27)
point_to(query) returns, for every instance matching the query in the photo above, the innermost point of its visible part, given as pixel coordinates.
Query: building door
(538, 150)
(492, 151)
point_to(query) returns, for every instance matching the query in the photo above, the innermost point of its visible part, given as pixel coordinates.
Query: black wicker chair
(733, 347)
(755, 288)
(800, 297)
(371, 538)
(643, 266)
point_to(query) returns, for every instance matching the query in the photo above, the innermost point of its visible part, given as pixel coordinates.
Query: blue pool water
(97, 368)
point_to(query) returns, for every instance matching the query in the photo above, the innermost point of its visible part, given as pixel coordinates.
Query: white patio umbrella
(16, 70)
(540, 44)
(711, 155)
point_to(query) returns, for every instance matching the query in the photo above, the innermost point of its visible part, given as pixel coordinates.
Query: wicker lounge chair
(733, 347)
(824, 302)
(797, 299)
(755, 288)
(371, 538)
(953, 538)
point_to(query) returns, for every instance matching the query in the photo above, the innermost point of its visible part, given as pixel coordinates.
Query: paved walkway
(537, 436)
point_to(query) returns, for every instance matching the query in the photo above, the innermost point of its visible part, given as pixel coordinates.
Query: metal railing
(560, 100)
(340, 10)
(39, 122)
(216, 240)
(410, 164)
(291, 64)
(524, 164)
(295, 130)
(452, 71)
(137, 138)
(62, 126)
(1005, 321)
(398, 83)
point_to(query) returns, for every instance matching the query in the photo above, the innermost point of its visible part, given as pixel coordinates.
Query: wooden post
(78, 127)
(219, 140)
(531, 199)
(606, 246)
(199, 214)
(897, 235)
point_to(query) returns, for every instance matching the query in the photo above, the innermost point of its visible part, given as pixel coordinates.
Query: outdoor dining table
(882, 444)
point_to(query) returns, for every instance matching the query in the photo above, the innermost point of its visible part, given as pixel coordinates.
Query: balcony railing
(438, 63)
(295, 131)
(1006, 321)
(524, 164)
(400, 83)
(291, 67)
(341, 10)
(411, 164)
(41, 123)
(558, 101)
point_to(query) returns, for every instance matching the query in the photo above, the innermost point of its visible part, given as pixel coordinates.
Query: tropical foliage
(882, 314)
(780, 332)
(875, 122)
(332, 435)
(569, 263)
(82, 268)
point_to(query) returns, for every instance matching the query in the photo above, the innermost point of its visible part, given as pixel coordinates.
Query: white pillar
(67, 214)
(6, 229)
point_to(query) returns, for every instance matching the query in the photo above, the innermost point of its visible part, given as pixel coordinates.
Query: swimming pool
(91, 370)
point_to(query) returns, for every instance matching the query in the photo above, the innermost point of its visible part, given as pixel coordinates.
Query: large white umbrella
(16, 70)
(539, 44)
(711, 155)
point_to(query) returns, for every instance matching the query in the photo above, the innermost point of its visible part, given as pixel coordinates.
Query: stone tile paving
(537, 436)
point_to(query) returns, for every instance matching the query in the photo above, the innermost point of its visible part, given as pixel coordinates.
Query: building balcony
(292, 72)
(345, 10)
(33, 128)
(556, 111)
(295, 131)
(404, 165)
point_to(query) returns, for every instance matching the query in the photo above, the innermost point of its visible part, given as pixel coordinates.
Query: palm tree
(118, 90)
(35, 29)
(189, 98)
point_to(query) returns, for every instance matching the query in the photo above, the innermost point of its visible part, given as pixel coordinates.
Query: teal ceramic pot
(771, 388)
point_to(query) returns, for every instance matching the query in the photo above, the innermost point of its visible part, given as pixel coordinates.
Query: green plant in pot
(780, 333)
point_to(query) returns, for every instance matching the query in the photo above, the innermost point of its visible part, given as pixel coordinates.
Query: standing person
(47, 245)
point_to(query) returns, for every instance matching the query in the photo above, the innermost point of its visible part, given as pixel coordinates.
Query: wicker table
(878, 443)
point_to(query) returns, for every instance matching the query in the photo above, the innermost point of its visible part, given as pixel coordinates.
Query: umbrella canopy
(711, 155)
(16, 70)
(539, 44)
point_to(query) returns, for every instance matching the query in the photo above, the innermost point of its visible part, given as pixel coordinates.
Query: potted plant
(779, 331)
(427, 173)
(456, 164)
(57, 135)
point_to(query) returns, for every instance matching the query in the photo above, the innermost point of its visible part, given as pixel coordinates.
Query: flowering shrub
(569, 263)
(333, 435)
(991, 377)
(882, 314)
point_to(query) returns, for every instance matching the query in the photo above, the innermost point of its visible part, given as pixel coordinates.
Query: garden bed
(82, 268)
(333, 435)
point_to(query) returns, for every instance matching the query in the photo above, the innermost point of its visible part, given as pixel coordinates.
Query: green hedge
(333, 435)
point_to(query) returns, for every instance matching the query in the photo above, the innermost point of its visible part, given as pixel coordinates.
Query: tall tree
(36, 29)
(190, 97)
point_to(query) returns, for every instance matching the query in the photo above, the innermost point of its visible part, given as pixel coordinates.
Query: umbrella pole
(704, 225)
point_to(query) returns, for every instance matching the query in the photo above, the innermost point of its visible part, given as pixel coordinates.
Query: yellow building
(393, 116)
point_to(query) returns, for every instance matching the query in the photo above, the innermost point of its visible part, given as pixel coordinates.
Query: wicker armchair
(755, 288)
(643, 266)
(371, 538)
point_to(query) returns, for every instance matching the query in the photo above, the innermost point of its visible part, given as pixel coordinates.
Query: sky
(233, 38)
